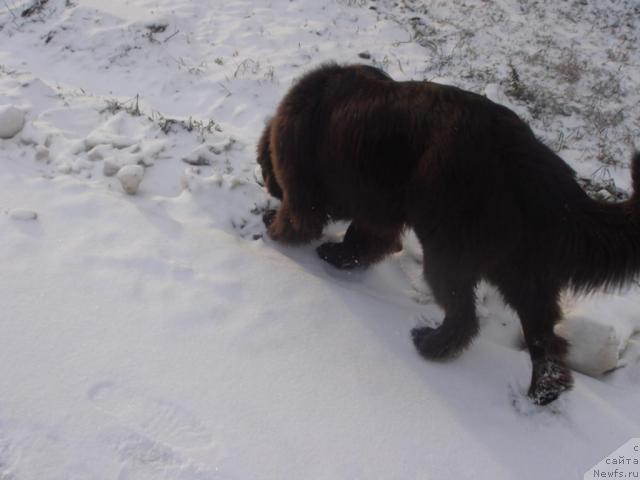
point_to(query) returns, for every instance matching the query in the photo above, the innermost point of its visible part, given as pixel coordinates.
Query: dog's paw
(438, 343)
(337, 255)
(548, 380)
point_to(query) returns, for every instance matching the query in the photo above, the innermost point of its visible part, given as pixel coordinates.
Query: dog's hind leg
(537, 304)
(361, 246)
(455, 293)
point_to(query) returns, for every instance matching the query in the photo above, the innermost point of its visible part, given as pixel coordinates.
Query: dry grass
(583, 96)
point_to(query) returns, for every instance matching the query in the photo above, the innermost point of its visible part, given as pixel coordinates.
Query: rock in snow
(130, 177)
(11, 121)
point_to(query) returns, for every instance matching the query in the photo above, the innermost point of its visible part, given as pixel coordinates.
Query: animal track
(146, 459)
(158, 419)
(6, 458)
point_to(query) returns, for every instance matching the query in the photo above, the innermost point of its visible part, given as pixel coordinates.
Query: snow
(163, 335)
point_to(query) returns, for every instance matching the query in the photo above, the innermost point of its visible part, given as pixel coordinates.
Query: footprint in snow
(145, 459)
(160, 420)
(22, 214)
(525, 407)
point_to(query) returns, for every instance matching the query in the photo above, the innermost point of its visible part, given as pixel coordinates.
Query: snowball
(130, 177)
(594, 348)
(22, 214)
(11, 121)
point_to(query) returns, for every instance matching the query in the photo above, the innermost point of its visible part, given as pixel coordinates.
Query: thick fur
(485, 197)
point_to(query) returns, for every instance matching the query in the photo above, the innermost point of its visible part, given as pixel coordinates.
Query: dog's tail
(604, 247)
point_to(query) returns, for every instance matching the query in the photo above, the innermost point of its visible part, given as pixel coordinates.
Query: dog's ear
(273, 187)
(265, 161)
(264, 147)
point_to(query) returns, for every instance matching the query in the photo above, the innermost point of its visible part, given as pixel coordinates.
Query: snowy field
(160, 335)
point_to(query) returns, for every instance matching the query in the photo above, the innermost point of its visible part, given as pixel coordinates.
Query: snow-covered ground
(160, 335)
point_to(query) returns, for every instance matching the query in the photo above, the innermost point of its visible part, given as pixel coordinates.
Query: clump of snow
(594, 348)
(42, 153)
(203, 155)
(209, 154)
(97, 153)
(101, 138)
(110, 168)
(11, 121)
(22, 214)
(64, 168)
(599, 329)
(130, 177)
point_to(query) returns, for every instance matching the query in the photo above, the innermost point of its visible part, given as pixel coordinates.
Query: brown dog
(486, 199)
